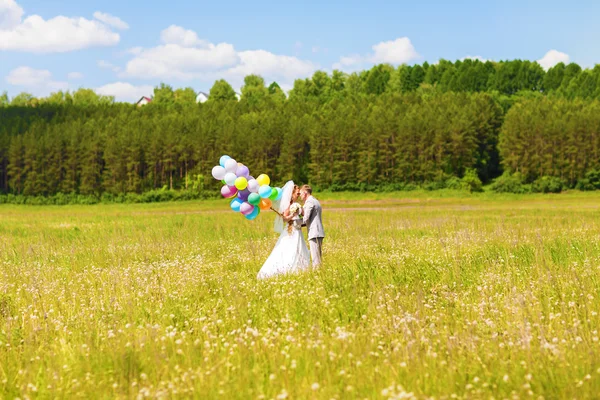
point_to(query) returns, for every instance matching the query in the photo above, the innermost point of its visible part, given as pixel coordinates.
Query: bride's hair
(290, 222)
(296, 188)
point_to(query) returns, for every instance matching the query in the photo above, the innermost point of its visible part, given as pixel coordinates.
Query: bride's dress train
(289, 255)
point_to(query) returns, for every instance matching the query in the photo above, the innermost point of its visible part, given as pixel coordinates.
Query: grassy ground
(422, 294)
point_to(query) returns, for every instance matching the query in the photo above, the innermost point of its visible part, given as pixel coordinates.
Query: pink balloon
(253, 186)
(246, 208)
(228, 191)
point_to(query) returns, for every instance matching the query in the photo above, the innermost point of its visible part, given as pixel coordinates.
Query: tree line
(385, 128)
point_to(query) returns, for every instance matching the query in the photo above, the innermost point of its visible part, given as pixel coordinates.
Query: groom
(314, 224)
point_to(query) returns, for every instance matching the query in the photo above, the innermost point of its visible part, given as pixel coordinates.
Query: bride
(290, 253)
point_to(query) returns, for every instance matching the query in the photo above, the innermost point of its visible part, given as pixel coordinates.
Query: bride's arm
(287, 217)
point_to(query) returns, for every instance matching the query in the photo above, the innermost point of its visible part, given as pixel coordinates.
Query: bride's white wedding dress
(289, 255)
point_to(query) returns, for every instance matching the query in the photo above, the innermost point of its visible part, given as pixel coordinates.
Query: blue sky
(126, 47)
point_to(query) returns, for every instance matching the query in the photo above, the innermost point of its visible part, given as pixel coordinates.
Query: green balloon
(275, 193)
(254, 199)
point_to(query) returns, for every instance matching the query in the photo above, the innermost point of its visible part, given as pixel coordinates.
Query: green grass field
(428, 296)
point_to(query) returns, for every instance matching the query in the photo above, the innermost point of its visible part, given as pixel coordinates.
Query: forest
(460, 124)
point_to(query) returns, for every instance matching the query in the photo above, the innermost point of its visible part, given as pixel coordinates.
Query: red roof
(144, 97)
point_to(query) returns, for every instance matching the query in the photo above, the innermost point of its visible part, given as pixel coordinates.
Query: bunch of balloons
(249, 195)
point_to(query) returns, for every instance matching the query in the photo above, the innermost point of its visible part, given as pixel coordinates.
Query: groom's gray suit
(314, 225)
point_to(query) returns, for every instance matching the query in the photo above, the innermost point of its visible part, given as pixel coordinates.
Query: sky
(125, 48)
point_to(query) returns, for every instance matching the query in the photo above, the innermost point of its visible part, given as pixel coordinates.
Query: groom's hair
(307, 189)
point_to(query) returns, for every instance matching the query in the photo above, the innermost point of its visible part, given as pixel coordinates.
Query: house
(201, 97)
(143, 101)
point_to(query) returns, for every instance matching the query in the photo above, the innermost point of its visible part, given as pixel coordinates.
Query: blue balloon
(279, 194)
(253, 214)
(265, 191)
(223, 159)
(236, 204)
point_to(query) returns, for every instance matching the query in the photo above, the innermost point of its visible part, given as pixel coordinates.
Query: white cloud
(270, 65)
(111, 20)
(58, 34)
(107, 65)
(26, 76)
(286, 87)
(184, 56)
(399, 51)
(552, 58)
(135, 50)
(182, 37)
(185, 63)
(350, 60)
(10, 14)
(37, 80)
(350, 63)
(75, 75)
(124, 91)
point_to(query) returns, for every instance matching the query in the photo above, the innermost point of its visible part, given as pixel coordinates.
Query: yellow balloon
(241, 183)
(263, 179)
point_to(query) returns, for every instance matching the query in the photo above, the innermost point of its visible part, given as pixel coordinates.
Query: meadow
(421, 295)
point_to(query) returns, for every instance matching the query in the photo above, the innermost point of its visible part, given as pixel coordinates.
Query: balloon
(253, 214)
(230, 179)
(254, 199)
(228, 191)
(279, 193)
(274, 194)
(253, 186)
(242, 171)
(241, 183)
(231, 166)
(236, 204)
(222, 160)
(243, 195)
(246, 208)
(263, 179)
(223, 182)
(218, 172)
(265, 204)
(265, 191)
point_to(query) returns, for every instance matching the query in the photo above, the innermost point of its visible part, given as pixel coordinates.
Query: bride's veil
(282, 204)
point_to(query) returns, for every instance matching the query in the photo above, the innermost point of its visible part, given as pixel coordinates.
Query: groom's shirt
(312, 218)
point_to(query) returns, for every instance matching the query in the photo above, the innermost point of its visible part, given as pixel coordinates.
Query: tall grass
(445, 297)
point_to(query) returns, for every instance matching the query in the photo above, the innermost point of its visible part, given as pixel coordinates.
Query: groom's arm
(308, 209)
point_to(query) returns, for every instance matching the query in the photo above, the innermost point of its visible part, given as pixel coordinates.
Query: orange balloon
(264, 204)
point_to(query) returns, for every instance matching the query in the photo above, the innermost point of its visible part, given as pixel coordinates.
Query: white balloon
(253, 186)
(231, 165)
(230, 178)
(218, 172)
(223, 159)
